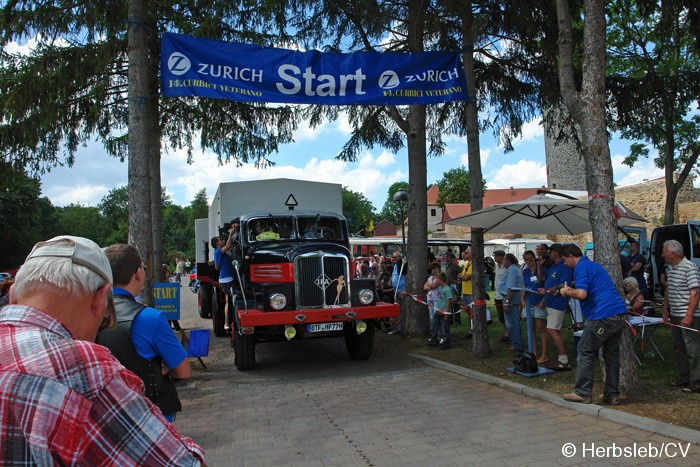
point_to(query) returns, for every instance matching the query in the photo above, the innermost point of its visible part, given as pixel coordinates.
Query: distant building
(565, 165)
(434, 211)
(384, 229)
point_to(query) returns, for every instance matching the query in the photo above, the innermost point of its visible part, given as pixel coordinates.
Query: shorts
(555, 318)
(539, 313)
(226, 287)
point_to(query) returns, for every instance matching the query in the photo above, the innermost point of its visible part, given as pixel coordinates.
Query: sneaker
(573, 397)
(393, 332)
(432, 342)
(444, 345)
(690, 389)
(226, 327)
(613, 400)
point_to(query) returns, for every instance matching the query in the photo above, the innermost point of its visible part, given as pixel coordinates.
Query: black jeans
(605, 333)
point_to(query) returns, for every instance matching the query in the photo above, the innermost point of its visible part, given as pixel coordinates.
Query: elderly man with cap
(65, 400)
(557, 274)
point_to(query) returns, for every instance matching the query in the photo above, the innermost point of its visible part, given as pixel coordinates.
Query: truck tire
(204, 301)
(244, 351)
(217, 317)
(360, 345)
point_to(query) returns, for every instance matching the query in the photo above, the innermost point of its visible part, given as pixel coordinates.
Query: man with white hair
(681, 309)
(65, 400)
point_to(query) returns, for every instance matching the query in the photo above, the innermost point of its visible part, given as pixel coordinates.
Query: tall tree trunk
(156, 273)
(414, 315)
(588, 109)
(480, 340)
(140, 225)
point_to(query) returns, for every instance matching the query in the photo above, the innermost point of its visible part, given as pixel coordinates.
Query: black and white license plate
(324, 327)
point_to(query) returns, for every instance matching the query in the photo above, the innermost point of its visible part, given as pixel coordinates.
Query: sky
(312, 157)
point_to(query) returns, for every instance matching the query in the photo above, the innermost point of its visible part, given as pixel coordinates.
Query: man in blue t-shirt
(150, 332)
(224, 264)
(555, 305)
(605, 312)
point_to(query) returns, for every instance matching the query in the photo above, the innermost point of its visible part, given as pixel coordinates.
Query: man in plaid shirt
(65, 400)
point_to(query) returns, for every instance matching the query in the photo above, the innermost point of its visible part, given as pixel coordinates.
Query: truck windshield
(317, 227)
(266, 229)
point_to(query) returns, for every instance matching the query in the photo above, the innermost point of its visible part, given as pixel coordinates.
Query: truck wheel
(204, 301)
(360, 345)
(244, 351)
(217, 317)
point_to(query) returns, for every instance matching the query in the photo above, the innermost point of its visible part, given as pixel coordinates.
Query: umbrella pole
(530, 337)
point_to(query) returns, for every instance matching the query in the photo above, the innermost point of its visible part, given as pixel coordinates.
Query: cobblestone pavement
(308, 404)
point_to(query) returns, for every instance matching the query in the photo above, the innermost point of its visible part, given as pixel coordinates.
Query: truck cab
(292, 280)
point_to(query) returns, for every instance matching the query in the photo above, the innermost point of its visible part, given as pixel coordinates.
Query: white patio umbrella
(539, 214)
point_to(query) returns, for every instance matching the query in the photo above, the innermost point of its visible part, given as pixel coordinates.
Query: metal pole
(403, 231)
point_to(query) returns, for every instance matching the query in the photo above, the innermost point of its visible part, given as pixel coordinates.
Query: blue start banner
(166, 296)
(249, 73)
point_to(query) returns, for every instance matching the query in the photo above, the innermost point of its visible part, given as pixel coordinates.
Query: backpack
(525, 362)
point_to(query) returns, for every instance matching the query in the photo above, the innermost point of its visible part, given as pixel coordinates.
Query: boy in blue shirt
(440, 322)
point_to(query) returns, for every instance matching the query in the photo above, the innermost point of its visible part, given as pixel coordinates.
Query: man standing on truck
(224, 264)
(636, 270)
(681, 308)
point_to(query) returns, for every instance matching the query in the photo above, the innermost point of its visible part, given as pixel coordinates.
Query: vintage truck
(293, 272)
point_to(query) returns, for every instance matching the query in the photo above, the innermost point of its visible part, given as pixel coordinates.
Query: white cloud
(485, 154)
(531, 131)
(62, 195)
(521, 174)
(643, 170)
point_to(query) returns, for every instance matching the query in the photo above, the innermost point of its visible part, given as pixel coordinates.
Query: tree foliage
(358, 211)
(455, 187)
(391, 210)
(25, 215)
(654, 82)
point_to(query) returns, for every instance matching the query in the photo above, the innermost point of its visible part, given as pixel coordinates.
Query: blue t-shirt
(512, 279)
(639, 275)
(224, 265)
(532, 283)
(444, 293)
(558, 273)
(152, 336)
(399, 284)
(603, 300)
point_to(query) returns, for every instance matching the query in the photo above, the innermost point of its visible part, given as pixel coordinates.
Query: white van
(517, 246)
(687, 234)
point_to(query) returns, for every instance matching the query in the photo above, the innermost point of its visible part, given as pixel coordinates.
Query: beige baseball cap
(84, 252)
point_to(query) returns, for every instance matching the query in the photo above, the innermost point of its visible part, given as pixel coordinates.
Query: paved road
(307, 404)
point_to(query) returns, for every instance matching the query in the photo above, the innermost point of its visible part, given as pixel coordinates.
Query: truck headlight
(366, 296)
(278, 301)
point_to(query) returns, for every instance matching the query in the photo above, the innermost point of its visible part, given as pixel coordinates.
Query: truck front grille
(318, 280)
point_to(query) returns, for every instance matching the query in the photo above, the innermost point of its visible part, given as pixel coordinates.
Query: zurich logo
(178, 64)
(389, 80)
(323, 281)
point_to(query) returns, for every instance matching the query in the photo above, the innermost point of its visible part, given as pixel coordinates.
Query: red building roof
(491, 197)
(433, 193)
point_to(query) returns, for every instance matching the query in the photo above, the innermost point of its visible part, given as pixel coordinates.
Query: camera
(223, 231)
(557, 289)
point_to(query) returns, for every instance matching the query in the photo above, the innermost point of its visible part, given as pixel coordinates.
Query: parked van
(687, 234)
(517, 246)
(625, 234)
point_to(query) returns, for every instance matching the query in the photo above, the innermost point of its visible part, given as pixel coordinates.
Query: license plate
(324, 327)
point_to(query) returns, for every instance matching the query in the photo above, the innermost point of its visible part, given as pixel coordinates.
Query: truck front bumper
(254, 317)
